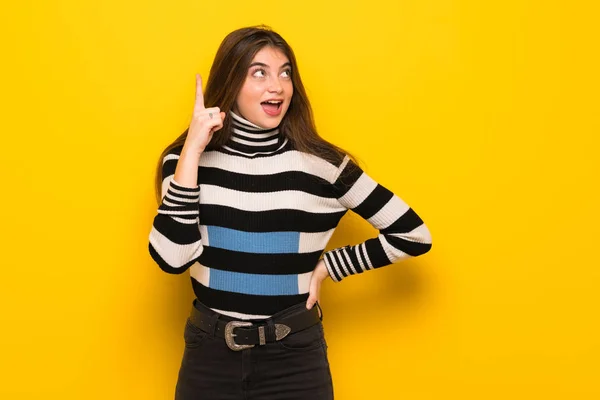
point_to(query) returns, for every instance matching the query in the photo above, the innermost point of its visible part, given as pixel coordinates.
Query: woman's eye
(263, 72)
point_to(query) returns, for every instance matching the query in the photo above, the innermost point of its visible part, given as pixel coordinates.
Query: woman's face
(269, 77)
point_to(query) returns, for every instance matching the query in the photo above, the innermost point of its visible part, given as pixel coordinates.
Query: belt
(248, 334)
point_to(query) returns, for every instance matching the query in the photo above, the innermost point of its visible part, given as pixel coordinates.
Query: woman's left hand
(319, 275)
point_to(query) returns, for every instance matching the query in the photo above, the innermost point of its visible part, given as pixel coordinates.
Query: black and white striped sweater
(256, 225)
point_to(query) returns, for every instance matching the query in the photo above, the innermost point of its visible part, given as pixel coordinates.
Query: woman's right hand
(202, 126)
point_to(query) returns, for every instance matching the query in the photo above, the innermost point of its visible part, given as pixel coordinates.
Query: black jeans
(293, 368)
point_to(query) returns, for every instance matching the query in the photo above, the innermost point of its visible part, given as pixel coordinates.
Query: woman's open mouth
(272, 108)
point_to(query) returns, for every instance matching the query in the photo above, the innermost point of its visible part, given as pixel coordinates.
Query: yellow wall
(481, 115)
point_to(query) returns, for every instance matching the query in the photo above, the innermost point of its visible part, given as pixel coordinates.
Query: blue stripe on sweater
(253, 242)
(258, 284)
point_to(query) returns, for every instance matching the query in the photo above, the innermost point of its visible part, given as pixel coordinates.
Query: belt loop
(212, 326)
(270, 331)
(320, 311)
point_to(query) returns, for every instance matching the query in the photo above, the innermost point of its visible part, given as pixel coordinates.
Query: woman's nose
(275, 86)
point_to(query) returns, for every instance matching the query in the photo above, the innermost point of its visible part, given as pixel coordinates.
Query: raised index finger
(199, 104)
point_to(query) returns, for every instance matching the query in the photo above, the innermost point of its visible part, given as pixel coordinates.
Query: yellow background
(483, 116)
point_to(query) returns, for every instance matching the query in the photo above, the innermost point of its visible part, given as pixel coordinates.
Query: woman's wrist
(321, 270)
(188, 152)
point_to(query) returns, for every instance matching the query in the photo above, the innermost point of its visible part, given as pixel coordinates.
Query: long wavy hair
(226, 78)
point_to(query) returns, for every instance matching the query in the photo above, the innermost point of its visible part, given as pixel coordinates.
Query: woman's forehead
(270, 56)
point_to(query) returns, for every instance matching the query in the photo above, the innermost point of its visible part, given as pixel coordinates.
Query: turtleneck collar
(250, 139)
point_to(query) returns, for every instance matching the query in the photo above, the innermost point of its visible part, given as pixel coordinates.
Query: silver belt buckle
(229, 335)
(281, 331)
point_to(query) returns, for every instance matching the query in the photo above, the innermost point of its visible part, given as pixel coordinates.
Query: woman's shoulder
(328, 166)
(176, 150)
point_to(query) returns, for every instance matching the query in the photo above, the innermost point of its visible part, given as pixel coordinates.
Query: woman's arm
(174, 241)
(402, 233)
(175, 236)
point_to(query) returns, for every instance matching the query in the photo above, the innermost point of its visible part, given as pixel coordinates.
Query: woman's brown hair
(226, 78)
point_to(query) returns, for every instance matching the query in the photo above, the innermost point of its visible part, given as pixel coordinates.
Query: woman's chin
(266, 121)
(269, 122)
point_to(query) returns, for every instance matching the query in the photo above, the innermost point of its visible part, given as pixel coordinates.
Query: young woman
(249, 196)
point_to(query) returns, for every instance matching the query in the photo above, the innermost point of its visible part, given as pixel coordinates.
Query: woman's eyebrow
(287, 64)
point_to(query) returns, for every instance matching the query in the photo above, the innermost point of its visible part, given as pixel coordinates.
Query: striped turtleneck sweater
(254, 228)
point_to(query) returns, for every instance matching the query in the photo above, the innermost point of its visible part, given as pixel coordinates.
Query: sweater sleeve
(402, 233)
(174, 241)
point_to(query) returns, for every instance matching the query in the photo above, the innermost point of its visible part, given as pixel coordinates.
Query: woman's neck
(249, 138)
